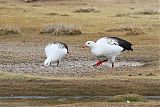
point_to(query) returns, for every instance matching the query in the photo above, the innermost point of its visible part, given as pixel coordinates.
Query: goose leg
(112, 64)
(100, 63)
(57, 63)
(113, 60)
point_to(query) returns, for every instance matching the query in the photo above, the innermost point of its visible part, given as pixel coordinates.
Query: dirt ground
(28, 58)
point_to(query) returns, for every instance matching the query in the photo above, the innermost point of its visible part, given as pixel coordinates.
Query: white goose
(110, 47)
(55, 52)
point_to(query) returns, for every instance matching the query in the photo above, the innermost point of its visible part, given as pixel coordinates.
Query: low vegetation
(121, 15)
(85, 10)
(56, 14)
(148, 12)
(61, 29)
(52, 14)
(128, 29)
(9, 29)
(135, 32)
(127, 98)
(142, 12)
(64, 15)
(30, 0)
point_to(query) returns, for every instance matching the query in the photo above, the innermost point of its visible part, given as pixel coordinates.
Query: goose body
(110, 47)
(54, 52)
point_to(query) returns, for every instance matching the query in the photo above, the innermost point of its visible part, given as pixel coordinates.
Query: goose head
(89, 44)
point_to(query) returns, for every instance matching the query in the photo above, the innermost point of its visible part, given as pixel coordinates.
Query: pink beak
(84, 46)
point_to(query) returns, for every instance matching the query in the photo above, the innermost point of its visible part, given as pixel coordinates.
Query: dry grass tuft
(151, 74)
(85, 10)
(30, 0)
(148, 12)
(61, 29)
(9, 29)
(127, 97)
(128, 29)
(55, 14)
(36, 5)
(52, 14)
(121, 15)
(135, 32)
(64, 15)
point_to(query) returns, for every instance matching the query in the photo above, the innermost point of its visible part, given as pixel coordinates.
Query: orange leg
(99, 63)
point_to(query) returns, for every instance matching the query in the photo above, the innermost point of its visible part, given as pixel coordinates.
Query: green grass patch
(127, 98)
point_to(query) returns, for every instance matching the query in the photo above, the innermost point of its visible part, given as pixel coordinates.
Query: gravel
(28, 58)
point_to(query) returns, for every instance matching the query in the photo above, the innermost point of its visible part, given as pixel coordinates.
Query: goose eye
(88, 43)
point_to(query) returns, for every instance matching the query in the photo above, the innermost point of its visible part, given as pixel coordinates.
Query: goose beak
(84, 46)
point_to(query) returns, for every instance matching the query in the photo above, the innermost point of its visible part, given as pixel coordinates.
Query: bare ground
(28, 58)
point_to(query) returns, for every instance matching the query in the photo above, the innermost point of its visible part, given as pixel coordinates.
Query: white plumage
(110, 47)
(55, 52)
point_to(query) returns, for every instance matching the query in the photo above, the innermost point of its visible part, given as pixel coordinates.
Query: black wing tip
(61, 43)
(65, 45)
(127, 49)
(123, 43)
(131, 47)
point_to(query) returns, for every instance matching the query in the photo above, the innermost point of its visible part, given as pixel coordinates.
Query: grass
(127, 97)
(74, 103)
(19, 84)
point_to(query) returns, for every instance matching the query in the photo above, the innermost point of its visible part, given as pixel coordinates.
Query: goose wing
(116, 41)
